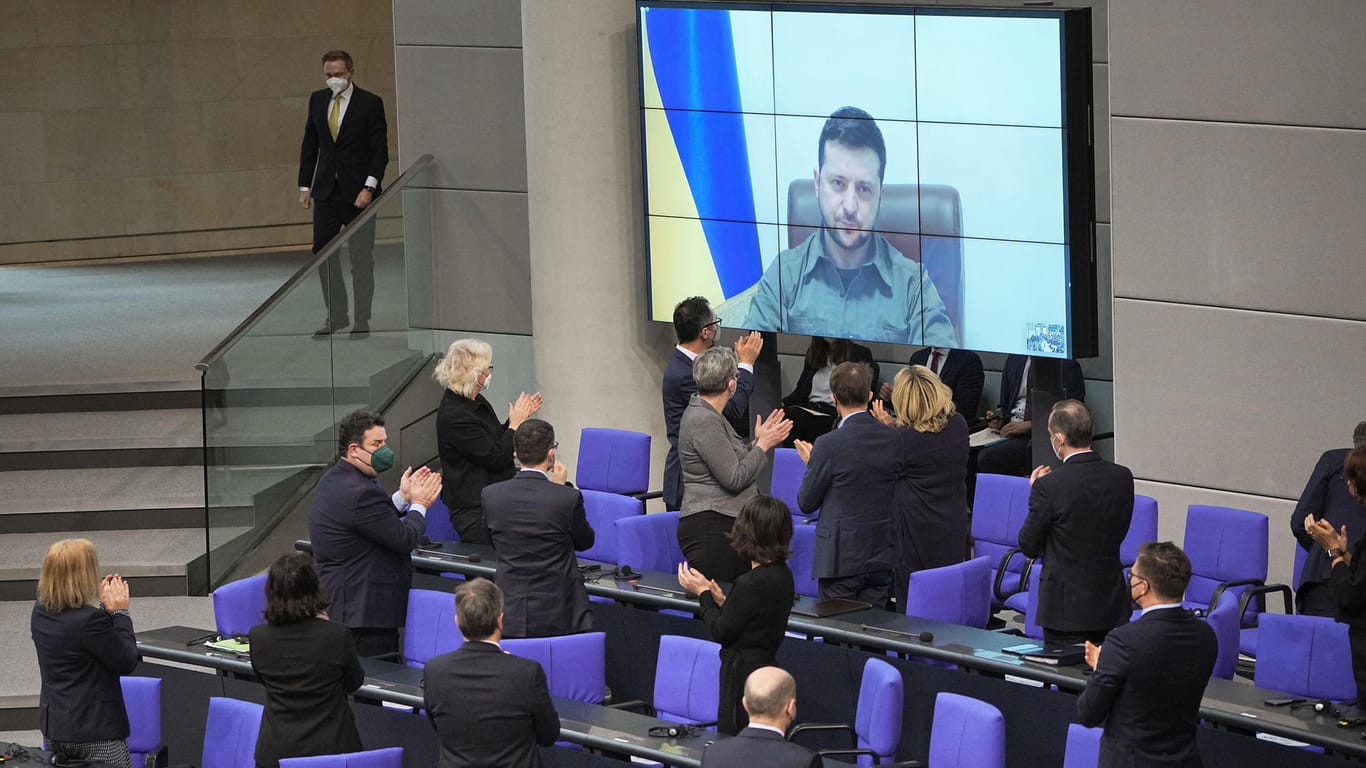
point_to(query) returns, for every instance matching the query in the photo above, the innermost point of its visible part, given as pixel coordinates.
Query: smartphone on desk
(1283, 702)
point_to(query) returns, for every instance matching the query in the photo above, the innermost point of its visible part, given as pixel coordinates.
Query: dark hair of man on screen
(855, 129)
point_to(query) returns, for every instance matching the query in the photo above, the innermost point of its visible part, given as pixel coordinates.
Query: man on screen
(846, 279)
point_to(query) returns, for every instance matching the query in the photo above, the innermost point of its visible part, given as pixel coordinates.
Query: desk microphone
(926, 637)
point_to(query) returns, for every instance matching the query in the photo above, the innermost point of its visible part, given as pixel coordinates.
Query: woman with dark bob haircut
(307, 665)
(1349, 566)
(749, 622)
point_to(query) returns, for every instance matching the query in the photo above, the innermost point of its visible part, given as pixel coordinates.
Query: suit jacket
(1073, 382)
(490, 709)
(932, 498)
(537, 526)
(307, 667)
(1326, 497)
(337, 169)
(801, 394)
(81, 653)
(753, 747)
(962, 372)
(362, 547)
(719, 469)
(677, 389)
(1146, 690)
(475, 448)
(851, 478)
(1078, 516)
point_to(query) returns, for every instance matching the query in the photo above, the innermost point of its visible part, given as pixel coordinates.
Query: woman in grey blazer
(719, 467)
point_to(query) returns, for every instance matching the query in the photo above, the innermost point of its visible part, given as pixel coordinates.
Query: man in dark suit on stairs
(538, 522)
(771, 701)
(342, 160)
(1151, 674)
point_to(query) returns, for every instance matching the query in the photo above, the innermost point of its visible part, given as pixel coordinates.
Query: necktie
(934, 361)
(334, 117)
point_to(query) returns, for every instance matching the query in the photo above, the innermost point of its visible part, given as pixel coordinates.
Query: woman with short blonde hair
(932, 495)
(475, 447)
(83, 646)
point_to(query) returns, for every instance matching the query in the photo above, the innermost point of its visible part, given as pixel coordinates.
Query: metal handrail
(370, 212)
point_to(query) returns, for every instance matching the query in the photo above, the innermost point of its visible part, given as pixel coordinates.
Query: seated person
(1013, 418)
(959, 369)
(1326, 498)
(810, 407)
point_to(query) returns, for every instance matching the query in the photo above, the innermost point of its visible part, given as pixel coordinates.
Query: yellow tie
(334, 118)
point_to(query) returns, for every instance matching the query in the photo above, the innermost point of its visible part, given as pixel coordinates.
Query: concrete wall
(141, 127)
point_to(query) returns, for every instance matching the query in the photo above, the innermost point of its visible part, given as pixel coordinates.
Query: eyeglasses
(489, 369)
(717, 321)
(1129, 577)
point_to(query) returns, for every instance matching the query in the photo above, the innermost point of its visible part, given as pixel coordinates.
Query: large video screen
(907, 175)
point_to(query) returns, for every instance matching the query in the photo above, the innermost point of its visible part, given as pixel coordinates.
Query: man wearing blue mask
(362, 537)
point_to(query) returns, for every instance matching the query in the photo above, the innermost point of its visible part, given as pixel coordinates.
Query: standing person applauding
(1349, 568)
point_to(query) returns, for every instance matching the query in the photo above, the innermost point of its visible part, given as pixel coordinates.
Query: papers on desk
(239, 648)
(1055, 655)
(984, 437)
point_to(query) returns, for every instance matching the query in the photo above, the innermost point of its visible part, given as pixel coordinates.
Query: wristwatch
(1335, 553)
(372, 188)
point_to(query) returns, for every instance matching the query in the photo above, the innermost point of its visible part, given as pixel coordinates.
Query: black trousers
(1008, 457)
(329, 216)
(1094, 636)
(375, 641)
(702, 537)
(874, 588)
(1315, 598)
(468, 522)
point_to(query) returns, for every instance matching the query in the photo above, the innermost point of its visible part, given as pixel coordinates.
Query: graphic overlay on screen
(918, 176)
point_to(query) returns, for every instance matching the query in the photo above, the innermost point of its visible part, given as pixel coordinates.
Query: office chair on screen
(389, 757)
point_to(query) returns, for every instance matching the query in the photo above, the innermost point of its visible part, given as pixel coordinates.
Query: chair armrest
(1001, 567)
(394, 656)
(1219, 590)
(853, 752)
(158, 759)
(1265, 589)
(647, 495)
(634, 705)
(1103, 436)
(804, 727)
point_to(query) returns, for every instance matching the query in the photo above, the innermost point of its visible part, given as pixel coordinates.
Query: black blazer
(1326, 497)
(81, 653)
(537, 526)
(490, 709)
(362, 547)
(801, 394)
(1146, 690)
(307, 667)
(753, 747)
(852, 479)
(677, 389)
(337, 169)
(750, 627)
(1078, 516)
(475, 448)
(1073, 383)
(931, 498)
(962, 373)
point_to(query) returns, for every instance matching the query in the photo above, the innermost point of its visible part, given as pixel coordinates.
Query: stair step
(101, 430)
(100, 489)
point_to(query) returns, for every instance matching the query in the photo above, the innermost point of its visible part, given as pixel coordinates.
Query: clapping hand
(697, 583)
(772, 431)
(880, 413)
(803, 450)
(424, 487)
(1092, 654)
(747, 347)
(525, 407)
(1322, 531)
(114, 593)
(1039, 471)
(405, 483)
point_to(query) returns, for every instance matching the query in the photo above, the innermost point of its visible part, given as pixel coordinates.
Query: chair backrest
(687, 679)
(389, 757)
(958, 594)
(142, 701)
(999, 508)
(803, 558)
(604, 510)
(439, 526)
(1083, 747)
(877, 721)
(575, 665)
(788, 471)
(230, 733)
(1297, 571)
(1304, 656)
(967, 733)
(1142, 528)
(649, 542)
(429, 629)
(240, 605)
(1031, 611)
(613, 461)
(1223, 619)
(1224, 544)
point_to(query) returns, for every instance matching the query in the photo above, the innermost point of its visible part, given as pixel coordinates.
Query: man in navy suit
(362, 537)
(1325, 497)
(961, 372)
(341, 162)
(1014, 419)
(1078, 516)
(1151, 674)
(537, 522)
(771, 701)
(488, 707)
(851, 477)
(697, 327)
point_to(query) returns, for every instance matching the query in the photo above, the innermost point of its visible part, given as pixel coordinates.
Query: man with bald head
(1078, 516)
(771, 701)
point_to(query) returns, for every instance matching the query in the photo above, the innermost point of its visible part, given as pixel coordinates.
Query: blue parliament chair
(439, 526)
(687, 682)
(1224, 621)
(142, 701)
(788, 471)
(649, 542)
(429, 629)
(604, 510)
(389, 757)
(966, 733)
(239, 605)
(614, 461)
(999, 509)
(876, 731)
(1083, 747)
(957, 594)
(1305, 656)
(230, 733)
(803, 558)
(1228, 551)
(1247, 642)
(1142, 528)
(1030, 613)
(575, 665)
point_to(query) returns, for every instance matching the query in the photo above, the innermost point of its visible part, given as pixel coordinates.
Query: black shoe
(361, 330)
(328, 328)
